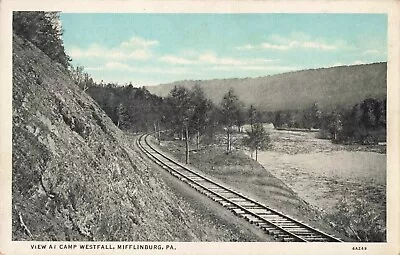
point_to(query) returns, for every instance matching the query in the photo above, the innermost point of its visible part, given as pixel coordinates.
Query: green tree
(201, 110)
(77, 75)
(278, 119)
(257, 139)
(182, 112)
(311, 117)
(253, 116)
(122, 116)
(240, 116)
(44, 30)
(230, 107)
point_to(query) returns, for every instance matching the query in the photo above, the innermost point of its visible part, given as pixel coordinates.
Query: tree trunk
(159, 133)
(182, 134)
(155, 131)
(256, 154)
(187, 145)
(197, 140)
(228, 144)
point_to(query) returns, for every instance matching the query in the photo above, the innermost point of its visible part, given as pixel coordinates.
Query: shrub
(359, 219)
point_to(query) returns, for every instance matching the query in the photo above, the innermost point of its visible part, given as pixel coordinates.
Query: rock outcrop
(75, 176)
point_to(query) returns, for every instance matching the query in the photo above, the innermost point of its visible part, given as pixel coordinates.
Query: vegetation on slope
(44, 31)
(328, 87)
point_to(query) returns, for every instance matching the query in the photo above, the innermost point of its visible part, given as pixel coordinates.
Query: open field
(250, 178)
(341, 184)
(296, 157)
(326, 174)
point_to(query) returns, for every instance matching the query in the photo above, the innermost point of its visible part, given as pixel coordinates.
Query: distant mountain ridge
(329, 87)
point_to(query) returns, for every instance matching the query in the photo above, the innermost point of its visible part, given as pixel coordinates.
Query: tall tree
(230, 107)
(253, 116)
(311, 117)
(240, 116)
(122, 116)
(78, 75)
(257, 137)
(201, 110)
(182, 112)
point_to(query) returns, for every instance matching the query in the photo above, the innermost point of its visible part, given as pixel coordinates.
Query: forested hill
(343, 85)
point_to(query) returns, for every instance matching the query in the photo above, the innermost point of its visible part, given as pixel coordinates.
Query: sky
(150, 49)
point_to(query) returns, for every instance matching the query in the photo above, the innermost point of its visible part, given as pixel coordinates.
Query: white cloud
(359, 62)
(274, 46)
(245, 47)
(371, 52)
(212, 58)
(136, 48)
(255, 68)
(171, 59)
(116, 65)
(231, 61)
(338, 64)
(296, 40)
(321, 46)
(139, 42)
(97, 51)
(297, 44)
(113, 66)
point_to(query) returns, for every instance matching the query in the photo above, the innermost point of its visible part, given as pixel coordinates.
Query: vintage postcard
(199, 127)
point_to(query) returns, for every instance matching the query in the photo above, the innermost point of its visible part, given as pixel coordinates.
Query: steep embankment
(74, 175)
(344, 85)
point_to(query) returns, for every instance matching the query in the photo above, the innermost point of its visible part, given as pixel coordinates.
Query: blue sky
(149, 49)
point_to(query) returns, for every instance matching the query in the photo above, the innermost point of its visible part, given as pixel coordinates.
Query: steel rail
(310, 231)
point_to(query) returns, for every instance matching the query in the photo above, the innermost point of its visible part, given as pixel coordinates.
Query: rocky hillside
(75, 177)
(344, 85)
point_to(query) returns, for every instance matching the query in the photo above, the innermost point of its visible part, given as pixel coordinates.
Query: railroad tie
(273, 222)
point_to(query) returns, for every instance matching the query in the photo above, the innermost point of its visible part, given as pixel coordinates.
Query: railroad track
(282, 227)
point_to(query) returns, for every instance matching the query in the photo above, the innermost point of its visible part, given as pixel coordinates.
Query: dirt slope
(74, 175)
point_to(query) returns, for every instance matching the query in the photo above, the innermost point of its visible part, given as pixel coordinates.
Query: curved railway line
(282, 227)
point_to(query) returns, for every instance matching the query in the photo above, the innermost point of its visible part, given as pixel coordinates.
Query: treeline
(364, 123)
(191, 115)
(187, 114)
(130, 108)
